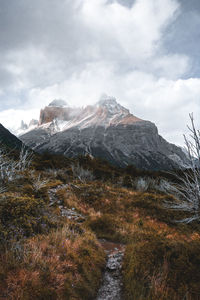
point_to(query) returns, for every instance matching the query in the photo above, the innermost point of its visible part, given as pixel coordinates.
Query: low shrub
(157, 268)
(22, 216)
(65, 264)
(105, 226)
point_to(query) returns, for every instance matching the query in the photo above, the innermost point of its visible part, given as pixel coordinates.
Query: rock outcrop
(9, 140)
(106, 130)
(57, 110)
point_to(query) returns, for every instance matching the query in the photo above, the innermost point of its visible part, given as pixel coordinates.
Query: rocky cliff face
(9, 140)
(57, 110)
(109, 131)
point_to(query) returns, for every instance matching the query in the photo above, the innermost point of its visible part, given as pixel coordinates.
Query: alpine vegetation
(9, 167)
(188, 186)
(82, 174)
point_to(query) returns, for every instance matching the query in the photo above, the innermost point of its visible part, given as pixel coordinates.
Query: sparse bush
(39, 183)
(188, 186)
(84, 175)
(25, 158)
(2, 189)
(10, 168)
(144, 184)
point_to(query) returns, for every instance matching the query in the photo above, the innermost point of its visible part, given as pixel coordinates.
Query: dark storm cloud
(183, 35)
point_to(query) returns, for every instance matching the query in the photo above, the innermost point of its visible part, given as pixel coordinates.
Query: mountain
(106, 130)
(57, 110)
(9, 140)
(26, 127)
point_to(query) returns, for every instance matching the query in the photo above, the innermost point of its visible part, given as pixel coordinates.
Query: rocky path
(111, 288)
(69, 213)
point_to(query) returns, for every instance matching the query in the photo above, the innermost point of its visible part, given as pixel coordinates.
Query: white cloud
(131, 32)
(76, 50)
(12, 118)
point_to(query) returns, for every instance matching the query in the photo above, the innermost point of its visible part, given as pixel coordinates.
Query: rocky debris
(106, 130)
(111, 288)
(69, 213)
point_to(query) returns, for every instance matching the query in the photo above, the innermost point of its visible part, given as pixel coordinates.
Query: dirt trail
(111, 288)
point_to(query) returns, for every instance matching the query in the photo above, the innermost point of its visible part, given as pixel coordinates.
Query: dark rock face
(9, 140)
(49, 113)
(106, 130)
(35, 137)
(138, 144)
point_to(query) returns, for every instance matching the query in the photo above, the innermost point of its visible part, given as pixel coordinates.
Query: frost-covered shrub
(39, 183)
(84, 175)
(144, 184)
(10, 168)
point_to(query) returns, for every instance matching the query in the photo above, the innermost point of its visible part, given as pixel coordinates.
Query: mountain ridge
(9, 140)
(106, 130)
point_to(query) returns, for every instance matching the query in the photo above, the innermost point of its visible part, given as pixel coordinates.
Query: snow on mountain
(58, 103)
(105, 112)
(107, 130)
(24, 128)
(59, 116)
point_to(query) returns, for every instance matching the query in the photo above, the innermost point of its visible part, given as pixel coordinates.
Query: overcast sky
(143, 52)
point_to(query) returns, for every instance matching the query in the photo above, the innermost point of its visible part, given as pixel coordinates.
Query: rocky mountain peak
(58, 103)
(111, 105)
(33, 122)
(23, 126)
(106, 130)
(106, 100)
(57, 109)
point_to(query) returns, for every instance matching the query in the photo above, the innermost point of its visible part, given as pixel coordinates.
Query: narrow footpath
(111, 287)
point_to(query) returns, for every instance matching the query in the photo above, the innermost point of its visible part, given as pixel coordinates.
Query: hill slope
(8, 139)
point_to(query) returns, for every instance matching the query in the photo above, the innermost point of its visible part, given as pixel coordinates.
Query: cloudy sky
(143, 52)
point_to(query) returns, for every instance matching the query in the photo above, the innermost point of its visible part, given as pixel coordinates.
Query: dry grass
(66, 264)
(161, 259)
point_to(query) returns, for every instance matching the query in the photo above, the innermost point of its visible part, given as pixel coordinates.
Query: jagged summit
(106, 130)
(58, 103)
(106, 100)
(111, 105)
(24, 126)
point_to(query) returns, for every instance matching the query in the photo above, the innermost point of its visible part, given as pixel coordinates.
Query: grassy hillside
(53, 213)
